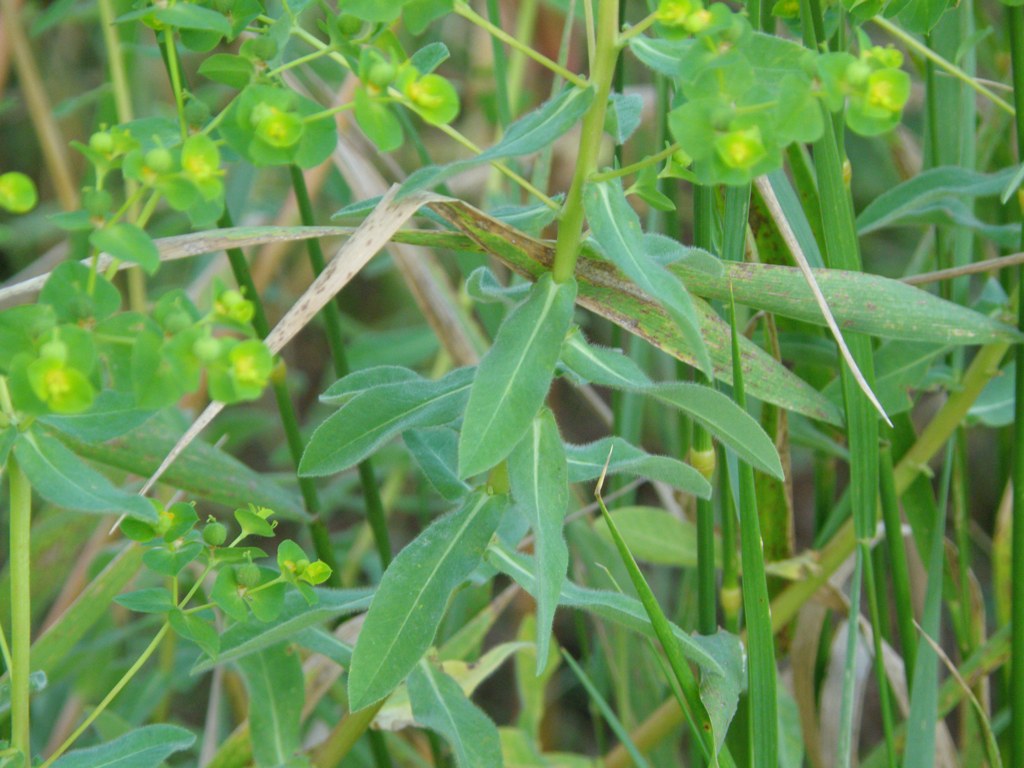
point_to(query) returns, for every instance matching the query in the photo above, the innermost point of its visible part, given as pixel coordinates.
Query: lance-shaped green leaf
(63, 479)
(529, 134)
(515, 375)
(347, 387)
(410, 601)
(933, 187)
(252, 636)
(860, 302)
(720, 416)
(200, 470)
(587, 461)
(439, 704)
(539, 478)
(601, 365)
(276, 688)
(377, 414)
(148, 745)
(437, 452)
(616, 230)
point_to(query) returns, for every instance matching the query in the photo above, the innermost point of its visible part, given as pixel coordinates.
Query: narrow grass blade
(763, 696)
(412, 596)
(606, 711)
(276, 688)
(539, 478)
(514, 377)
(697, 714)
(439, 704)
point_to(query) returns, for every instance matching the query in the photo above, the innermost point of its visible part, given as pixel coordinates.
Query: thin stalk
(174, 70)
(463, 10)
(332, 322)
(703, 450)
(289, 420)
(731, 596)
(21, 606)
(1015, 23)
(570, 228)
(639, 165)
(102, 706)
(920, 48)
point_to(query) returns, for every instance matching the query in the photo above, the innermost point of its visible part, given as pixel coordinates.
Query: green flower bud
(231, 305)
(215, 533)
(207, 348)
(197, 112)
(348, 25)
(101, 142)
(17, 192)
(381, 74)
(248, 575)
(176, 320)
(858, 72)
(159, 160)
(262, 48)
(674, 13)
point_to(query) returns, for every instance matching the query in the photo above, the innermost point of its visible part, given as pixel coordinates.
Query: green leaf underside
(200, 470)
(148, 745)
(410, 601)
(586, 462)
(514, 376)
(252, 636)
(438, 703)
(601, 365)
(62, 478)
(616, 229)
(373, 416)
(928, 188)
(276, 688)
(725, 420)
(523, 137)
(540, 486)
(437, 453)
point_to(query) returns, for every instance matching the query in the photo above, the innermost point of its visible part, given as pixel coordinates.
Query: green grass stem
(21, 605)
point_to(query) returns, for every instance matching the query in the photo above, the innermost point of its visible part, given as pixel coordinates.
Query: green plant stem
(174, 70)
(463, 10)
(1015, 23)
(333, 750)
(570, 227)
(639, 165)
(897, 560)
(111, 695)
(500, 67)
(332, 322)
(920, 48)
(21, 605)
(763, 698)
(289, 420)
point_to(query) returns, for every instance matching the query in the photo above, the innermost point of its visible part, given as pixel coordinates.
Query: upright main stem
(602, 72)
(21, 602)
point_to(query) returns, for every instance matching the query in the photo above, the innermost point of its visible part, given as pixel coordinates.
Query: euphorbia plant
(494, 459)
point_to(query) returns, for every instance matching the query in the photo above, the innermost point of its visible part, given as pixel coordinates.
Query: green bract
(433, 98)
(271, 126)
